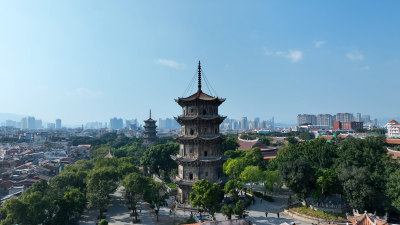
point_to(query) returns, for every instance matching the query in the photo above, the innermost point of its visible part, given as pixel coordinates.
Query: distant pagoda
(200, 155)
(150, 133)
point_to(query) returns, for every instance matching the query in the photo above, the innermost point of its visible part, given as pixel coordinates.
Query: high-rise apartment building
(38, 124)
(325, 121)
(58, 124)
(11, 123)
(116, 124)
(344, 117)
(306, 119)
(31, 123)
(366, 119)
(244, 124)
(358, 117)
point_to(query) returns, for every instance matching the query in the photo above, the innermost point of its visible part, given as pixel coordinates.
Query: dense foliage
(360, 169)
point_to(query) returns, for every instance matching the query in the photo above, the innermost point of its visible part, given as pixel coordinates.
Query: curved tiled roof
(393, 121)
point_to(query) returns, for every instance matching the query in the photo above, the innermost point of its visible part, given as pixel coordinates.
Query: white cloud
(364, 68)
(170, 63)
(319, 43)
(83, 93)
(355, 56)
(292, 55)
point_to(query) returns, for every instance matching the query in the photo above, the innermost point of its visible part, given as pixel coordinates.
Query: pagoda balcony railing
(179, 180)
(191, 115)
(200, 135)
(191, 157)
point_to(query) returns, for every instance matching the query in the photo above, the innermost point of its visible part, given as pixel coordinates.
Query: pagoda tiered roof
(200, 96)
(181, 159)
(201, 138)
(216, 118)
(179, 181)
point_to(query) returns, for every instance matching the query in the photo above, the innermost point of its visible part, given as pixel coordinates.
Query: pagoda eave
(182, 139)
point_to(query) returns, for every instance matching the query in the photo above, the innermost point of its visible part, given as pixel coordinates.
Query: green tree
(234, 167)
(266, 140)
(327, 182)
(232, 187)
(69, 206)
(298, 177)
(156, 194)
(100, 183)
(271, 179)
(103, 222)
(230, 143)
(15, 212)
(305, 136)
(158, 157)
(252, 175)
(135, 185)
(254, 157)
(206, 196)
(227, 210)
(239, 208)
(393, 188)
(233, 154)
(357, 187)
(291, 140)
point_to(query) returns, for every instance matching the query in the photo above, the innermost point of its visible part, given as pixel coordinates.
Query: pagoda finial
(199, 76)
(150, 113)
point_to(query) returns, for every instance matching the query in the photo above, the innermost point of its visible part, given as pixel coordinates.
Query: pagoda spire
(199, 77)
(150, 113)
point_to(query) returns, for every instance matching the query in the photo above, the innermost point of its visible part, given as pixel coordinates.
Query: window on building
(205, 153)
(191, 132)
(204, 112)
(206, 174)
(190, 176)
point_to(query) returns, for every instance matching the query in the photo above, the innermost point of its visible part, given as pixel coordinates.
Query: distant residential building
(244, 124)
(393, 129)
(38, 124)
(24, 123)
(344, 117)
(325, 121)
(11, 123)
(131, 124)
(306, 119)
(375, 122)
(348, 125)
(116, 124)
(31, 123)
(366, 119)
(58, 124)
(358, 117)
(51, 126)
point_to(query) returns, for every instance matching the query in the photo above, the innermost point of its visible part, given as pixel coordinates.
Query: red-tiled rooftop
(249, 144)
(395, 154)
(394, 121)
(393, 141)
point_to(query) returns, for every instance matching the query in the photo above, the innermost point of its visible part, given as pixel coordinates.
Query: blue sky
(92, 60)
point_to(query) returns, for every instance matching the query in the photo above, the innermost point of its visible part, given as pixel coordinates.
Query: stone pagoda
(150, 133)
(200, 155)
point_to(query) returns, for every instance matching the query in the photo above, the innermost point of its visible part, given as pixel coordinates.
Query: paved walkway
(117, 213)
(256, 213)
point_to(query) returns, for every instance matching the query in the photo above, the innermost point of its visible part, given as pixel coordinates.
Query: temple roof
(367, 219)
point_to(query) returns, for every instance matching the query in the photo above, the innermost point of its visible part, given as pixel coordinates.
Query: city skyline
(94, 60)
